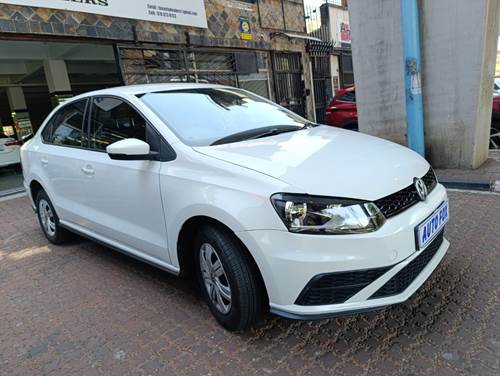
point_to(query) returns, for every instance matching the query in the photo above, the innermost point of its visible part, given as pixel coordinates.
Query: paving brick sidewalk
(83, 309)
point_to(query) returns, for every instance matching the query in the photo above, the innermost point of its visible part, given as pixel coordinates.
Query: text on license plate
(433, 225)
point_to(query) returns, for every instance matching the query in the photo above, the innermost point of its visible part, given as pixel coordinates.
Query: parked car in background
(496, 85)
(267, 210)
(9, 151)
(495, 122)
(342, 111)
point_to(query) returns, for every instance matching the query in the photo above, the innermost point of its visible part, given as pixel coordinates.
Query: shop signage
(345, 33)
(179, 12)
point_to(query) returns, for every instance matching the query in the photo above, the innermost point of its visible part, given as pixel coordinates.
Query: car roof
(149, 88)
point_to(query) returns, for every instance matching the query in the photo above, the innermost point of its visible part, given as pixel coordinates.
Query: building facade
(65, 48)
(331, 57)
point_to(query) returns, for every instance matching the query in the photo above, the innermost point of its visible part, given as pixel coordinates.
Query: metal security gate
(322, 79)
(288, 82)
(238, 69)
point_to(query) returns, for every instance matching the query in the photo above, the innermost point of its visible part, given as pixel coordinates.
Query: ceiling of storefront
(89, 66)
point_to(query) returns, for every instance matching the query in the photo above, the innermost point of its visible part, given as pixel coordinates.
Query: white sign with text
(179, 12)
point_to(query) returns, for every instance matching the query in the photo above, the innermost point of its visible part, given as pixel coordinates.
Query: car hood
(327, 161)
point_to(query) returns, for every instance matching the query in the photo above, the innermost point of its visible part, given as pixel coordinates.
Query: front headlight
(328, 215)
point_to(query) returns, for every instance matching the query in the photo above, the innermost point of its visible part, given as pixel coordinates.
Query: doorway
(35, 76)
(288, 81)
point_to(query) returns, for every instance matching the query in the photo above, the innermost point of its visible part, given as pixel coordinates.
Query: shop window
(248, 70)
(68, 125)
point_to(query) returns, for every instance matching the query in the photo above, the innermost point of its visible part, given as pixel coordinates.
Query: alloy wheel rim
(47, 217)
(215, 278)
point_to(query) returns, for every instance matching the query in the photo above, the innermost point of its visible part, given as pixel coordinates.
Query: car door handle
(88, 170)
(44, 161)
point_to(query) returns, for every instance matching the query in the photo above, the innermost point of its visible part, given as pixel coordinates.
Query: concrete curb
(12, 196)
(484, 186)
(12, 192)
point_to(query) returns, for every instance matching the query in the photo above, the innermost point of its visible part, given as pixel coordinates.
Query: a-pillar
(58, 82)
(459, 43)
(19, 112)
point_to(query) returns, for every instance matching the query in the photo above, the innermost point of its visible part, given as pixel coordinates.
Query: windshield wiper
(253, 134)
(309, 125)
(273, 132)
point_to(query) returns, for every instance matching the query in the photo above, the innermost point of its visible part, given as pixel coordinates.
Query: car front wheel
(227, 278)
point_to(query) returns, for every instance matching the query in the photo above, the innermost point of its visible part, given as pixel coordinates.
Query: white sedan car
(9, 151)
(267, 210)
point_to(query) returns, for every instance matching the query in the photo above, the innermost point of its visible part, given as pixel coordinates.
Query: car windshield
(202, 117)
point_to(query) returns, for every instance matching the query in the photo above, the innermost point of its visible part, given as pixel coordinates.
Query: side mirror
(130, 149)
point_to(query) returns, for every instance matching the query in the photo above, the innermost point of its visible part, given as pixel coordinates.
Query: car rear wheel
(49, 221)
(227, 278)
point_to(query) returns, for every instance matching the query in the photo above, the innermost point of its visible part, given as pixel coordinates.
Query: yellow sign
(245, 29)
(497, 70)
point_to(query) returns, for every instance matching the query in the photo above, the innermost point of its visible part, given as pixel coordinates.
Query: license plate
(432, 226)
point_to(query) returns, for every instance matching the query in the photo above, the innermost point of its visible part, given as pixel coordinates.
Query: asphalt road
(83, 309)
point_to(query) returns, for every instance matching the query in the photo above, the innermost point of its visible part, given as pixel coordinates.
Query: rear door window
(67, 127)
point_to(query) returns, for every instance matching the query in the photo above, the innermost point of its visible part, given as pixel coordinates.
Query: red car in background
(495, 123)
(342, 112)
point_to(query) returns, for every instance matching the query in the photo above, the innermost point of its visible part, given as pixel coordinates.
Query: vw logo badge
(421, 188)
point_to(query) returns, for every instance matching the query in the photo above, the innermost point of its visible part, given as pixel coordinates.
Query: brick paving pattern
(82, 309)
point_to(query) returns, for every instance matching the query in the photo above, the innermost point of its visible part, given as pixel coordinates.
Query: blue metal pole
(411, 55)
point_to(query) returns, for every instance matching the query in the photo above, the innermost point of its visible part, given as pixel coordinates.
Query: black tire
(352, 127)
(18, 168)
(59, 235)
(245, 287)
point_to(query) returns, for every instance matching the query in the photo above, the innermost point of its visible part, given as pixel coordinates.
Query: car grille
(334, 288)
(405, 198)
(400, 282)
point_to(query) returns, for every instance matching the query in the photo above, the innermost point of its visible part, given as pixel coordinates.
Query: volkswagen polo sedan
(265, 209)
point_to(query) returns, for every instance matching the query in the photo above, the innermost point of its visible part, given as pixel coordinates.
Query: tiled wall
(222, 17)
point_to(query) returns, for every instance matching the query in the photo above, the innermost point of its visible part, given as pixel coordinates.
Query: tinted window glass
(47, 130)
(350, 96)
(68, 125)
(113, 120)
(199, 117)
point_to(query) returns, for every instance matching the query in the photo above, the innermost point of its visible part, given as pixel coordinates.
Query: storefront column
(58, 82)
(458, 65)
(19, 110)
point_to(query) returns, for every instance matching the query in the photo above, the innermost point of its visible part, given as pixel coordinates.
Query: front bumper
(289, 261)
